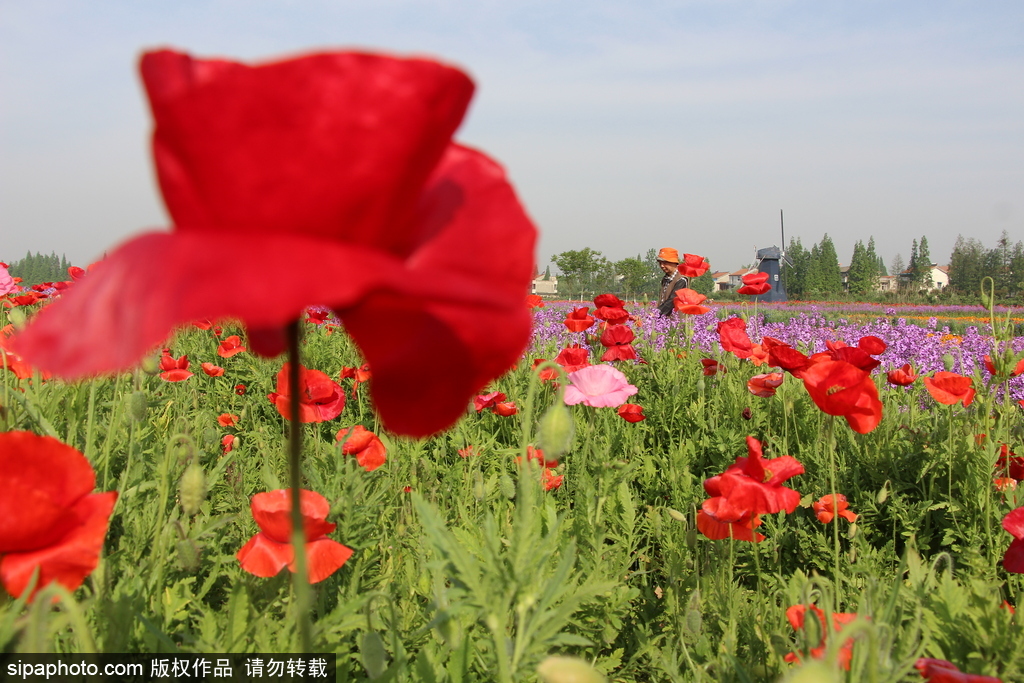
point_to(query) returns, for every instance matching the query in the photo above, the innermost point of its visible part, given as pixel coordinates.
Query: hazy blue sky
(624, 125)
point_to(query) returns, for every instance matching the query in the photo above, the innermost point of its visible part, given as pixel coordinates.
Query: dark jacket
(670, 284)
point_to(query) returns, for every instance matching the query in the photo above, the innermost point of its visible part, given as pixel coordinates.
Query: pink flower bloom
(7, 283)
(598, 386)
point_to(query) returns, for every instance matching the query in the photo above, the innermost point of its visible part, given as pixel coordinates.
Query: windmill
(770, 260)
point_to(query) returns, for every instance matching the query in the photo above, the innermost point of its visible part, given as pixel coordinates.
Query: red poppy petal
(456, 321)
(325, 556)
(263, 556)
(252, 148)
(1013, 560)
(70, 560)
(1013, 523)
(157, 281)
(43, 478)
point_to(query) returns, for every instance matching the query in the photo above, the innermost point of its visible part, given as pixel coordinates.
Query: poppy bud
(211, 438)
(700, 385)
(676, 515)
(883, 494)
(17, 317)
(373, 654)
(693, 615)
(691, 538)
(947, 362)
(558, 669)
(985, 300)
(188, 555)
(150, 365)
(137, 405)
(479, 491)
(746, 414)
(192, 489)
(507, 486)
(555, 430)
(852, 531)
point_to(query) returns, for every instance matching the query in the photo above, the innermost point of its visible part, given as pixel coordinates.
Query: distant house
(886, 283)
(736, 278)
(544, 284)
(721, 279)
(936, 278)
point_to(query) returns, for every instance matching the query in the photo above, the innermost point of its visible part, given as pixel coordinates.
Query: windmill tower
(770, 260)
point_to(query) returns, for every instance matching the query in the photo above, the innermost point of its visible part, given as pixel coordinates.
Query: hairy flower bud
(188, 555)
(947, 362)
(555, 430)
(137, 406)
(558, 669)
(192, 489)
(150, 365)
(17, 317)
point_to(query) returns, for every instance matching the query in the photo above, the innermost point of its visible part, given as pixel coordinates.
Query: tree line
(39, 267)
(586, 273)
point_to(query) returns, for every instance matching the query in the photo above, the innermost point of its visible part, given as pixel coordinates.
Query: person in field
(668, 260)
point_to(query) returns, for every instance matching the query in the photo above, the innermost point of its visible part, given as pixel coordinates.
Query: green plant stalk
(300, 582)
(830, 442)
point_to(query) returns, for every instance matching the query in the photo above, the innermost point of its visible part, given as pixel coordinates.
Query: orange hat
(669, 255)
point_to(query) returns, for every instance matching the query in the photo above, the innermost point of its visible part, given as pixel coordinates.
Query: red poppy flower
(688, 302)
(227, 420)
(749, 488)
(228, 443)
(613, 315)
(13, 362)
(240, 389)
(618, 340)
(549, 480)
(754, 284)
(631, 412)
(365, 445)
(537, 455)
(941, 671)
(796, 616)
(1010, 464)
(578, 320)
(212, 370)
(1017, 370)
(468, 452)
(340, 170)
(270, 550)
(826, 509)
(202, 324)
(174, 369)
(839, 388)
(758, 355)
(950, 388)
(573, 358)
(50, 519)
(230, 346)
(789, 359)
(765, 385)
(693, 265)
(360, 374)
(839, 350)
(872, 345)
(712, 367)
(505, 408)
(488, 400)
(732, 334)
(320, 397)
(1013, 523)
(534, 301)
(608, 301)
(547, 373)
(901, 377)
(27, 299)
(317, 316)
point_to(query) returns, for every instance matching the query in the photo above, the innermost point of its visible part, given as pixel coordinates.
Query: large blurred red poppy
(950, 388)
(840, 388)
(365, 445)
(1013, 523)
(693, 265)
(270, 550)
(50, 519)
(339, 169)
(749, 488)
(320, 397)
(732, 335)
(577, 320)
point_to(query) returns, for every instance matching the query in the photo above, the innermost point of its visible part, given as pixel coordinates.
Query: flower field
(621, 537)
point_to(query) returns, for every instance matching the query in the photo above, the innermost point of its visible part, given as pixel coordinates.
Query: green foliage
(634, 276)
(36, 268)
(823, 276)
(795, 273)
(705, 284)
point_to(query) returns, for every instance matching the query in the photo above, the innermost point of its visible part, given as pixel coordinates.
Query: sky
(624, 126)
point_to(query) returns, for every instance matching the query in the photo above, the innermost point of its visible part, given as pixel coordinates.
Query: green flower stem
(303, 593)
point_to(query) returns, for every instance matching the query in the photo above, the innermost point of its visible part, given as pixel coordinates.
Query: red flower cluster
(340, 169)
(497, 403)
(797, 615)
(50, 519)
(617, 337)
(749, 488)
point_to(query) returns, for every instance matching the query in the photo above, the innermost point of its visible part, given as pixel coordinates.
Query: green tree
(794, 272)
(583, 271)
(861, 274)
(824, 278)
(923, 266)
(633, 275)
(897, 267)
(967, 266)
(39, 267)
(705, 284)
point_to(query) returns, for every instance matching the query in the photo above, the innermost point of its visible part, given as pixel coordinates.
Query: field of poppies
(439, 483)
(600, 506)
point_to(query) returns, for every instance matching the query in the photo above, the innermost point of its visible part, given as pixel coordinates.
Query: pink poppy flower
(598, 386)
